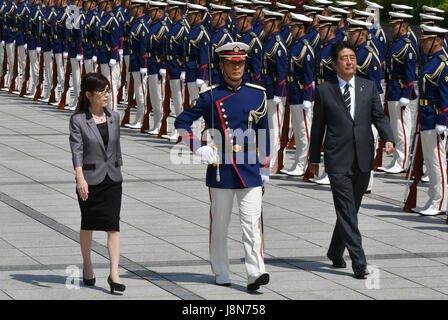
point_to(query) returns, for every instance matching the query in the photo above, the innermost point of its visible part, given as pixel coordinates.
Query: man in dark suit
(344, 110)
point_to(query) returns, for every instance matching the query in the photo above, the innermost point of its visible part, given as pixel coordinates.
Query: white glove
(25, 46)
(182, 76)
(404, 102)
(143, 71)
(94, 59)
(3, 43)
(120, 52)
(38, 49)
(79, 57)
(207, 153)
(112, 62)
(306, 104)
(440, 128)
(264, 179)
(314, 85)
(162, 72)
(277, 99)
(65, 55)
(199, 83)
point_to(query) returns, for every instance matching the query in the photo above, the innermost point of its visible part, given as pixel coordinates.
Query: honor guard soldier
(220, 35)
(377, 32)
(128, 22)
(138, 64)
(8, 38)
(21, 30)
(313, 32)
(3, 5)
(247, 35)
(300, 85)
(368, 66)
(119, 14)
(50, 15)
(431, 21)
(238, 162)
(75, 49)
(237, 4)
(108, 46)
(273, 75)
(433, 109)
(285, 32)
(257, 22)
(60, 44)
(401, 67)
(196, 59)
(175, 57)
(90, 35)
(34, 44)
(156, 52)
(342, 14)
(401, 8)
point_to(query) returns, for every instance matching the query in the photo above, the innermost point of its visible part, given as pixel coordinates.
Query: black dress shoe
(361, 273)
(261, 280)
(338, 262)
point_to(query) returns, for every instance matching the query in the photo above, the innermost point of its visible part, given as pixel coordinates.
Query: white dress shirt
(352, 90)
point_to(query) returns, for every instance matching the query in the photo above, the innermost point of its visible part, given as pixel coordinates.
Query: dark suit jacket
(346, 138)
(88, 150)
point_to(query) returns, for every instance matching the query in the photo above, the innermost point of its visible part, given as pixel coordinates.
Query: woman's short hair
(338, 46)
(91, 82)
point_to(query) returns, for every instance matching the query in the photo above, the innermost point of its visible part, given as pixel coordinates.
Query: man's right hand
(314, 169)
(207, 153)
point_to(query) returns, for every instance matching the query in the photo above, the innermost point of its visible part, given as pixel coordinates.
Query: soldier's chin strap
(272, 25)
(399, 29)
(432, 46)
(357, 39)
(326, 35)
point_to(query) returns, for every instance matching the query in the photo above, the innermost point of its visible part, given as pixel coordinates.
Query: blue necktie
(347, 98)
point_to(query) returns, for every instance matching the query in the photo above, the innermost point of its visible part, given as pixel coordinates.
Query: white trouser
(193, 91)
(156, 94)
(76, 79)
(275, 114)
(434, 153)
(60, 67)
(140, 95)
(402, 121)
(301, 125)
(34, 69)
(249, 204)
(113, 75)
(48, 73)
(177, 94)
(128, 76)
(10, 57)
(90, 66)
(21, 53)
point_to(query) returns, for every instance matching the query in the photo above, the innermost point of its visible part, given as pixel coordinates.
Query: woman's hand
(83, 188)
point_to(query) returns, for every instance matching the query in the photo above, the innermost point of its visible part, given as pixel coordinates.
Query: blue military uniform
(176, 48)
(219, 37)
(197, 58)
(325, 70)
(252, 71)
(90, 34)
(369, 64)
(273, 72)
(225, 113)
(156, 46)
(137, 42)
(21, 30)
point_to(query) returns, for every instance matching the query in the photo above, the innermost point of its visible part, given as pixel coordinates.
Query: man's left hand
(389, 147)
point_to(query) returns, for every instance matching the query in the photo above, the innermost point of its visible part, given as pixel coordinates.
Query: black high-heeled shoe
(88, 282)
(115, 286)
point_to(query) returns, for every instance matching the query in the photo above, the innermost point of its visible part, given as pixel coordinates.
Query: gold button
(225, 116)
(227, 122)
(230, 135)
(221, 104)
(223, 110)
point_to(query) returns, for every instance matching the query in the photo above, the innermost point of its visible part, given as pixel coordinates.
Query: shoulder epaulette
(209, 88)
(369, 36)
(251, 85)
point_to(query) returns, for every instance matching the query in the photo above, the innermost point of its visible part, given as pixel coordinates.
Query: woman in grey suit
(96, 155)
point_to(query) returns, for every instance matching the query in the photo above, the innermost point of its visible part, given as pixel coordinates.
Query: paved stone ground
(164, 227)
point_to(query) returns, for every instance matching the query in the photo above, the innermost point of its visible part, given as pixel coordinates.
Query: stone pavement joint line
(125, 263)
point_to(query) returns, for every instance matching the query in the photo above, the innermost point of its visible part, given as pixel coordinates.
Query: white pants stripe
(275, 114)
(249, 203)
(301, 124)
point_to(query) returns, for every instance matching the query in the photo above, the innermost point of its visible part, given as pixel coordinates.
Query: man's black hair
(338, 47)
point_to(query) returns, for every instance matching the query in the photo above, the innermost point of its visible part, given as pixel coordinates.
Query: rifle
(417, 164)
(68, 70)
(145, 124)
(5, 66)
(166, 105)
(26, 78)
(278, 165)
(15, 72)
(41, 78)
(292, 142)
(127, 113)
(55, 83)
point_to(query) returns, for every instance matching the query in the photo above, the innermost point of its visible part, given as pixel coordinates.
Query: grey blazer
(88, 149)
